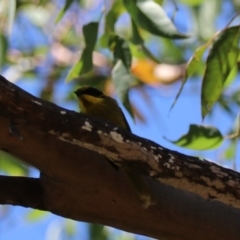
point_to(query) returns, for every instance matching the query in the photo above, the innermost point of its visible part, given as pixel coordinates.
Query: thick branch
(21, 191)
(78, 183)
(172, 168)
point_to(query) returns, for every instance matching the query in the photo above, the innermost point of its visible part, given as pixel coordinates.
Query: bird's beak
(77, 92)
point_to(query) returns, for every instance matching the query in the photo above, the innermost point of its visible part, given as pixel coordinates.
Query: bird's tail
(144, 194)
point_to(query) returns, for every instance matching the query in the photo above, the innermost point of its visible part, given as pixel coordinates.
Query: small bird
(95, 103)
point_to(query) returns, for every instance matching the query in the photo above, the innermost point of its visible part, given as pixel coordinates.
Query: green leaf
(121, 50)
(137, 40)
(128, 236)
(112, 16)
(191, 2)
(171, 51)
(41, 2)
(195, 61)
(123, 80)
(151, 17)
(221, 60)
(200, 138)
(231, 76)
(3, 49)
(12, 166)
(36, 215)
(160, 2)
(70, 227)
(74, 71)
(97, 232)
(67, 5)
(85, 64)
(191, 68)
(136, 37)
(230, 152)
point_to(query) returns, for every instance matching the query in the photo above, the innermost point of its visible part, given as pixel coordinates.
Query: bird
(95, 103)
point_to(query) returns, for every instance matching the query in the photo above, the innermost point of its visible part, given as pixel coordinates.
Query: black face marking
(89, 91)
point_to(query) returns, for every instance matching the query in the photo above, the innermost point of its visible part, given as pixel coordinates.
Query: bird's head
(88, 91)
(89, 98)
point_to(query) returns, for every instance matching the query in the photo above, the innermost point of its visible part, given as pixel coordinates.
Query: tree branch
(21, 191)
(78, 183)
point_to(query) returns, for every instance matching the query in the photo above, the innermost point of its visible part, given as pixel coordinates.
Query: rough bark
(193, 196)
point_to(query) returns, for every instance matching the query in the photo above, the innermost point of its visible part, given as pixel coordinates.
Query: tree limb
(23, 191)
(78, 183)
